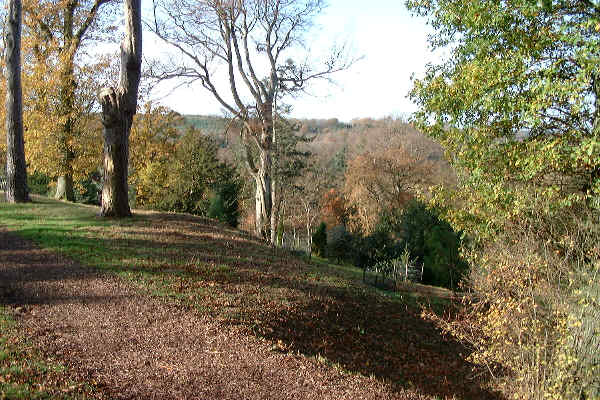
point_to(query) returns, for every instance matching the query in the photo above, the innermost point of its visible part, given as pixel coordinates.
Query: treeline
(356, 179)
(173, 167)
(358, 184)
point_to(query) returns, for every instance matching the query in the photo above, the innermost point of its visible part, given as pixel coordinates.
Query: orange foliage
(383, 180)
(333, 208)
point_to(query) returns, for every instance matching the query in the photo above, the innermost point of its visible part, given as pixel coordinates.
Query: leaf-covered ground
(26, 374)
(315, 328)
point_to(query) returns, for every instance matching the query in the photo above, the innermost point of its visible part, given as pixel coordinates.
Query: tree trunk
(596, 90)
(308, 240)
(263, 176)
(64, 185)
(275, 195)
(279, 209)
(274, 214)
(118, 108)
(263, 198)
(16, 171)
(64, 188)
(116, 126)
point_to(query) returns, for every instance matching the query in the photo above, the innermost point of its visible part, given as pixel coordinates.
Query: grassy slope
(318, 310)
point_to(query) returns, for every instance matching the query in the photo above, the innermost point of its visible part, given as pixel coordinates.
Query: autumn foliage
(516, 105)
(380, 181)
(333, 209)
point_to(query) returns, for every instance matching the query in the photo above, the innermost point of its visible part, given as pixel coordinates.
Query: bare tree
(118, 108)
(253, 41)
(16, 172)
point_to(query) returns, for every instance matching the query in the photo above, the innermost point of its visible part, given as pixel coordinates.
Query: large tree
(516, 103)
(384, 181)
(254, 41)
(57, 32)
(118, 108)
(16, 173)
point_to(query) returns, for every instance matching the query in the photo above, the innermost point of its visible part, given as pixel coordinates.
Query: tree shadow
(362, 332)
(32, 277)
(351, 326)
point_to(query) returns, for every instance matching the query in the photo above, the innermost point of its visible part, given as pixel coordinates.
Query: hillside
(319, 315)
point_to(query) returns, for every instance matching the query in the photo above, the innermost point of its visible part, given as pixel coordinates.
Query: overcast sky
(392, 43)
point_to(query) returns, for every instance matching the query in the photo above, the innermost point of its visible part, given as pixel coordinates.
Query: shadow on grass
(28, 276)
(348, 326)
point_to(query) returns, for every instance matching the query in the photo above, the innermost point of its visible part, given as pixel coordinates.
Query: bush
(38, 183)
(340, 244)
(397, 270)
(432, 242)
(319, 240)
(535, 321)
(224, 202)
(378, 247)
(443, 265)
(193, 180)
(88, 190)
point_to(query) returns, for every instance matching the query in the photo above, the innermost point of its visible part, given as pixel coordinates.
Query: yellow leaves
(152, 143)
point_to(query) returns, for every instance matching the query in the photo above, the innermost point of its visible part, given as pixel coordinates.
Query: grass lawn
(315, 309)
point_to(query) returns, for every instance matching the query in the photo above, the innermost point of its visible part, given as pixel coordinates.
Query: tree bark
(118, 108)
(262, 173)
(64, 188)
(16, 170)
(274, 180)
(64, 185)
(263, 179)
(263, 197)
(274, 214)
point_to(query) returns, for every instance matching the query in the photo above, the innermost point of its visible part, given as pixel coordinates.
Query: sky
(392, 44)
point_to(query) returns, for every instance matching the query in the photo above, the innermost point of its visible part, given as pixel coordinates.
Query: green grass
(314, 308)
(417, 295)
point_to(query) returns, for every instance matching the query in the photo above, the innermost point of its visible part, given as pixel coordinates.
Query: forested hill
(331, 136)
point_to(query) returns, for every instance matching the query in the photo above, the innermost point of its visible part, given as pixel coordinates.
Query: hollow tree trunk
(16, 172)
(118, 108)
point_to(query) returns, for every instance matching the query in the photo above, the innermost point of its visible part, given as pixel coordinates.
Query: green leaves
(515, 100)
(516, 106)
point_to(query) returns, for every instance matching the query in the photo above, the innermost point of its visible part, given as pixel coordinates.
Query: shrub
(430, 240)
(38, 183)
(224, 201)
(319, 240)
(88, 190)
(443, 265)
(340, 244)
(536, 320)
(193, 180)
(397, 270)
(378, 247)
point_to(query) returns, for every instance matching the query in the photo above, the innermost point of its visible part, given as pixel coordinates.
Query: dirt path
(138, 347)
